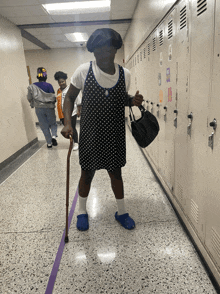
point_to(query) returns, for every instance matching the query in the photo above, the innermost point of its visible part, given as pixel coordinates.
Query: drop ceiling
(43, 31)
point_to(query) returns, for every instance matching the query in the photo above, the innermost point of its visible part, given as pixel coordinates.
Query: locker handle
(176, 111)
(165, 108)
(213, 124)
(190, 116)
(152, 103)
(158, 105)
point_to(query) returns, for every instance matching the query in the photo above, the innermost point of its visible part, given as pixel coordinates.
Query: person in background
(41, 96)
(102, 144)
(61, 78)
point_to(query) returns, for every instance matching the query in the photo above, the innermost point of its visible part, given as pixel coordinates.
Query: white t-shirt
(103, 79)
(77, 101)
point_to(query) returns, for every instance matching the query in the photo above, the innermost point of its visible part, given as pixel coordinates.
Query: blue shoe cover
(82, 222)
(125, 220)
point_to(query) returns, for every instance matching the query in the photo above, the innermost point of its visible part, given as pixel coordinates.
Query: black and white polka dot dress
(102, 125)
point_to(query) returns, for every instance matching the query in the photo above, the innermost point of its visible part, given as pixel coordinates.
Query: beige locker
(161, 98)
(201, 47)
(212, 197)
(152, 149)
(184, 123)
(168, 75)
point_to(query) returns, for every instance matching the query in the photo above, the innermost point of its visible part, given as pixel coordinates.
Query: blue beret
(102, 37)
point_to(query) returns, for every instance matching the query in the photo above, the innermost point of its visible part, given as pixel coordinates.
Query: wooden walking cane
(67, 187)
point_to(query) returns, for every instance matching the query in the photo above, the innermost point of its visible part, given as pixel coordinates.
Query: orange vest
(59, 104)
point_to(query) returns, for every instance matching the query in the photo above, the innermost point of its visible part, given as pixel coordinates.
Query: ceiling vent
(148, 49)
(183, 18)
(154, 44)
(201, 6)
(161, 38)
(170, 29)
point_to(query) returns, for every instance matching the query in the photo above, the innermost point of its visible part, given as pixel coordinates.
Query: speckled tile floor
(156, 257)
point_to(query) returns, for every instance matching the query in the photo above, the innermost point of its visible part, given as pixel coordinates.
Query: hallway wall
(17, 127)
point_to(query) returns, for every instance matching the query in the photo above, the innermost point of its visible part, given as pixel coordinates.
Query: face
(105, 55)
(62, 83)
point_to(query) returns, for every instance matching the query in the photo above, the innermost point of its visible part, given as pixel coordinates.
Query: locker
(201, 47)
(168, 86)
(161, 97)
(212, 199)
(152, 90)
(184, 123)
(182, 71)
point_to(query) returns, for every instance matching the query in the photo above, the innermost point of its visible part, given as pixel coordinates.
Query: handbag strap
(131, 114)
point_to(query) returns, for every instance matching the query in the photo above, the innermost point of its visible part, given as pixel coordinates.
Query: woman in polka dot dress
(104, 85)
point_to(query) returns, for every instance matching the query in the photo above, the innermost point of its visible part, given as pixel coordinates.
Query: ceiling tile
(20, 11)
(83, 17)
(58, 1)
(17, 3)
(31, 20)
(44, 31)
(48, 38)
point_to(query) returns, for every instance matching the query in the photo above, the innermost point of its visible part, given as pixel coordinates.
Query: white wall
(66, 60)
(146, 17)
(17, 127)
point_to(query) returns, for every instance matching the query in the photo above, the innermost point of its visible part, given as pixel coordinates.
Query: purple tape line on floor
(56, 265)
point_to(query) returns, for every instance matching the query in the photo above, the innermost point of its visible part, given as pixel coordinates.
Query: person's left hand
(138, 99)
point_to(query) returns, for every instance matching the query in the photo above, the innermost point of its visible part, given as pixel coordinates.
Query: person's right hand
(67, 131)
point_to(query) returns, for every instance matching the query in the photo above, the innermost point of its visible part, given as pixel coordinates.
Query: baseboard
(18, 153)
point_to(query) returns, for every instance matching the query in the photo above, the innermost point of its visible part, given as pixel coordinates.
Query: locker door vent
(194, 211)
(170, 29)
(161, 38)
(148, 49)
(180, 192)
(201, 6)
(183, 18)
(135, 60)
(138, 58)
(154, 44)
(144, 52)
(141, 55)
(216, 242)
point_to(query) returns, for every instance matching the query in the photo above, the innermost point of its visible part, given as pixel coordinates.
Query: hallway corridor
(156, 257)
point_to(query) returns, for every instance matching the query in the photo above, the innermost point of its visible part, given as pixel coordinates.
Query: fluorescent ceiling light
(78, 7)
(77, 37)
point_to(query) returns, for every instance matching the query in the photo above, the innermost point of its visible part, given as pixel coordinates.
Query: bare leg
(84, 188)
(85, 182)
(117, 183)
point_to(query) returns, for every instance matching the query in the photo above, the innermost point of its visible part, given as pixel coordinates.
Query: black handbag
(145, 129)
